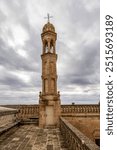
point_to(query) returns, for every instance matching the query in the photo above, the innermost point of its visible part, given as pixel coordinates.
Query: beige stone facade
(49, 102)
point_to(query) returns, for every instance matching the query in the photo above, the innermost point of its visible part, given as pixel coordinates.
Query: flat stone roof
(31, 137)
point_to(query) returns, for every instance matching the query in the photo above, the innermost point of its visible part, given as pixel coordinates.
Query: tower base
(49, 111)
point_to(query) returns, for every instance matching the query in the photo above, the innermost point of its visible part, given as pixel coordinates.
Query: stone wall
(74, 138)
(7, 116)
(85, 118)
(4, 120)
(90, 126)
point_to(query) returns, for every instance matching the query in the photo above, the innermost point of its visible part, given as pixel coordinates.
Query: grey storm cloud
(13, 81)
(10, 59)
(77, 27)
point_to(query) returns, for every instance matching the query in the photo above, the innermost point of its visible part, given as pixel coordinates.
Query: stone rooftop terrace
(31, 137)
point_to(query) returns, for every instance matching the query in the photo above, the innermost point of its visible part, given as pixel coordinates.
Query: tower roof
(48, 27)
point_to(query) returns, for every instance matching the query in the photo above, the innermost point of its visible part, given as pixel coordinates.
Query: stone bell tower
(49, 102)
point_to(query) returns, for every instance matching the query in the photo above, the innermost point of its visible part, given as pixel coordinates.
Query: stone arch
(45, 46)
(52, 46)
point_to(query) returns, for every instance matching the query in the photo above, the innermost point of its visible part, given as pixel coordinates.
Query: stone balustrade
(28, 111)
(75, 140)
(80, 108)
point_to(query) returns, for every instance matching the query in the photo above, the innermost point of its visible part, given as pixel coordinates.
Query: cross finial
(48, 17)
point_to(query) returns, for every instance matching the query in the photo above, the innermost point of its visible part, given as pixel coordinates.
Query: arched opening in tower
(46, 47)
(52, 46)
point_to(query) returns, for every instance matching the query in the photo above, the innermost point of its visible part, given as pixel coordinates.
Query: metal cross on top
(48, 17)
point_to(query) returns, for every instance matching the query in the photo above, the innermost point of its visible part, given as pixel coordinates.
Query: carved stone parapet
(80, 108)
(74, 138)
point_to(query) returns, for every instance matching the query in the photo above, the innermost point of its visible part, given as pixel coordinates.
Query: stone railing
(8, 119)
(28, 111)
(75, 140)
(7, 116)
(80, 109)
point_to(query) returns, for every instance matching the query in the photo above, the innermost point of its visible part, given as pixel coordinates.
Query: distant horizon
(63, 102)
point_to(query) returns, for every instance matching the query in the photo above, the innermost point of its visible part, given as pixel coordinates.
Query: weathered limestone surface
(8, 119)
(30, 137)
(75, 139)
(7, 115)
(90, 126)
(85, 118)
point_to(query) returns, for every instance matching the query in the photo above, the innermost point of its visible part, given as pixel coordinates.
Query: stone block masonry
(31, 137)
(74, 138)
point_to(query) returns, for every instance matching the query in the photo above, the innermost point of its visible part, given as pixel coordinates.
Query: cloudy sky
(77, 27)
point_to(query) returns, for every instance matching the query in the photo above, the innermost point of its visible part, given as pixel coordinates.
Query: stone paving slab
(31, 137)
